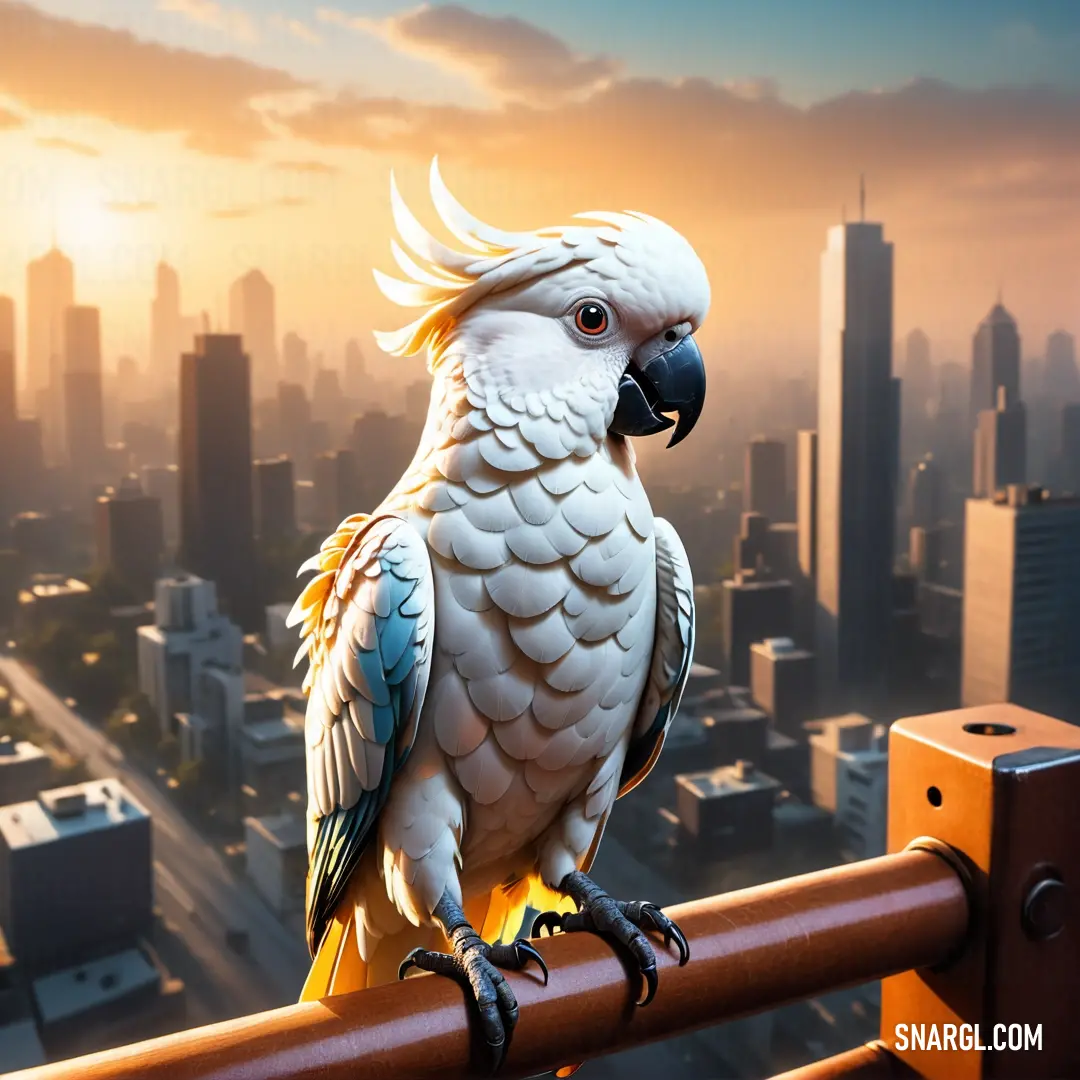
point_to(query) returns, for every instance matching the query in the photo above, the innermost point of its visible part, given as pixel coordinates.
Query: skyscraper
(275, 499)
(1000, 447)
(1021, 635)
(252, 316)
(995, 361)
(1070, 449)
(50, 291)
(216, 512)
(165, 340)
(83, 404)
(858, 436)
(130, 536)
(924, 494)
(918, 374)
(806, 502)
(8, 410)
(295, 363)
(1061, 378)
(355, 370)
(765, 478)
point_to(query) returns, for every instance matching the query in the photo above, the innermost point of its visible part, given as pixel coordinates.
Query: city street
(198, 896)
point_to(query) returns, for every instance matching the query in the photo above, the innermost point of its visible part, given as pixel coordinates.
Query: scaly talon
(409, 962)
(516, 957)
(625, 921)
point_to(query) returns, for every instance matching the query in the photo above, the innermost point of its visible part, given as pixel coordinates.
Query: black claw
(547, 920)
(408, 962)
(650, 979)
(661, 923)
(526, 953)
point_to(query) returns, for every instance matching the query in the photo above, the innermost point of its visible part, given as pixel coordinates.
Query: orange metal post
(1001, 786)
(750, 950)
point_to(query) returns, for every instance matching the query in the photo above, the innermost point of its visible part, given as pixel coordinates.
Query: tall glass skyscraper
(857, 463)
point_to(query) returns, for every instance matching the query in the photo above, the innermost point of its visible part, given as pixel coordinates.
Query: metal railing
(971, 928)
(750, 950)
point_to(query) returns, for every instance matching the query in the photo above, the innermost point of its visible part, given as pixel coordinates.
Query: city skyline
(282, 162)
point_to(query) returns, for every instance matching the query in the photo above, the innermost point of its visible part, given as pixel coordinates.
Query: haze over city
(862, 556)
(229, 136)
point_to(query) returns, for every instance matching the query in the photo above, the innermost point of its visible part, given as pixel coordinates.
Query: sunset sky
(235, 134)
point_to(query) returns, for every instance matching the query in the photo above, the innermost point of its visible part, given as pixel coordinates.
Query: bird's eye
(591, 318)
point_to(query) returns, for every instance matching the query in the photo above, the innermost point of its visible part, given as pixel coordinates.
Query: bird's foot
(623, 920)
(475, 964)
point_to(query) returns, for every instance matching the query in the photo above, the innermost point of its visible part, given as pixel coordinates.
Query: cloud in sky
(140, 207)
(8, 119)
(312, 167)
(513, 59)
(70, 145)
(231, 21)
(297, 28)
(59, 66)
(231, 213)
(738, 151)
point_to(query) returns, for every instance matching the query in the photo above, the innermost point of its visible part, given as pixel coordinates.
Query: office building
(336, 487)
(356, 374)
(1000, 447)
(50, 291)
(24, 770)
(252, 317)
(806, 503)
(166, 341)
(926, 553)
(188, 635)
(1021, 638)
(849, 777)
(326, 397)
(783, 683)
(9, 412)
(728, 810)
(995, 361)
(295, 363)
(275, 850)
(20, 1044)
(1070, 449)
(84, 409)
(752, 611)
(272, 754)
(162, 482)
(130, 536)
(275, 499)
(918, 376)
(217, 521)
(765, 478)
(294, 425)
(1061, 378)
(924, 493)
(858, 446)
(76, 874)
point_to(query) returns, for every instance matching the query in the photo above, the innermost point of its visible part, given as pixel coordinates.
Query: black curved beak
(673, 381)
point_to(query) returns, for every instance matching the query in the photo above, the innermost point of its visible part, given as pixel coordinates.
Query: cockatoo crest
(626, 249)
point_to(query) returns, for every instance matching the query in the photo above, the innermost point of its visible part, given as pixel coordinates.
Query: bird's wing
(368, 628)
(673, 652)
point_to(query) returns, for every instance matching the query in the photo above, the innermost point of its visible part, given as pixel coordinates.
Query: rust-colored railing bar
(870, 1062)
(750, 950)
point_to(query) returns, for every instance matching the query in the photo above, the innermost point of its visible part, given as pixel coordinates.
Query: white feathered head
(621, 293)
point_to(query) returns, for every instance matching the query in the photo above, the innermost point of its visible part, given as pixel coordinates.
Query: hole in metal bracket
(989, 729)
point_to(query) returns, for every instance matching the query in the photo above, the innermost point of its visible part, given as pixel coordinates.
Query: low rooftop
(66, 812)
(75, 990)
(283, 831)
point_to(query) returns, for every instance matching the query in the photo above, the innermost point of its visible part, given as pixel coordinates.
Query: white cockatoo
(497, 650)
